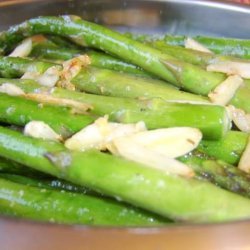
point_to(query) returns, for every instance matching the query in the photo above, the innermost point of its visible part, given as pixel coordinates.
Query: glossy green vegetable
(219, 45)
(101, 81)
(171, 196)
(97, 59)
(218, 172)
(160, 64)
(65, 207)
(156, 113)
(19, 111)
(228, 149)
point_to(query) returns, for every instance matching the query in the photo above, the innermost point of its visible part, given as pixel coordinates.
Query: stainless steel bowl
(143, 16)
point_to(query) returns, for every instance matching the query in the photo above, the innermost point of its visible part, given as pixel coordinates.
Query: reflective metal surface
(159, 16)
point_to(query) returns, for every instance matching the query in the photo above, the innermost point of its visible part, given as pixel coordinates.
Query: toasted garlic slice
(240, 118)
(78, 107)
(39, 129)
(191, 102)
(11, 89)
(225, 91)
(142, 154)
(190, 43)
(231, 68)
(23, 49)
(48, 79)
(100, 134)
(244, 163)
(71, 68)
(170, 142)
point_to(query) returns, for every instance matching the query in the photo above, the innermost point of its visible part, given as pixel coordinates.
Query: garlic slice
(71, 68)
(190, 43)
(39, 129)
(23, 49)
(240, 118)
(11, 89)
(231, 68)
(48, 79)
(142, 154)
(170, 142)
(225, 91)
(100, 134)
(244, 163)
(191, 102)
(78, 107)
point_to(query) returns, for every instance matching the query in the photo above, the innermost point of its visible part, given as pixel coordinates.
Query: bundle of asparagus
(136, 133)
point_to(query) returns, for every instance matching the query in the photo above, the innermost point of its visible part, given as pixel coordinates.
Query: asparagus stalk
(219, 45)
(19, 111)
(192, 56)
(47, 182)
(97, 59)
(156, 113)
(216, 171)
(229, 148)
(148, 188)
(162, 65)
(219, 172)
(101, 81)
(15, 67)
(184, 75)
(54, 206)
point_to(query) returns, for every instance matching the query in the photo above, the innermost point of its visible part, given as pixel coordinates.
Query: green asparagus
(19, 111)
(65, 207)
(156, 113)
(148, 188)
(162, 65)
(219, 45)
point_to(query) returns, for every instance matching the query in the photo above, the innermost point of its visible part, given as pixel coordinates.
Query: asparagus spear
(47, 182)
(219, 172)
(19, 111)
(184, 75)
(216, 171)
(156, 113)
(97, 80)
(149, 188)
(15, 67)
(229, 148)
(219, 45)
(100, 81)
(162, 65)
(97, 59)
(54, 206)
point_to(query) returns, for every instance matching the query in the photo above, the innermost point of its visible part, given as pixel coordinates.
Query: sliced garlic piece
(240, 118)
(231, 68)
(139, 153)
(170, 142)
(190, 43)
(48, 79)
(23, 49)
(78, 107)
(244, 163)
(100, 134)
(11, 89)
(225, 91)
(71, 68)
(39, 129)
(30, 75)
(191, 102)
